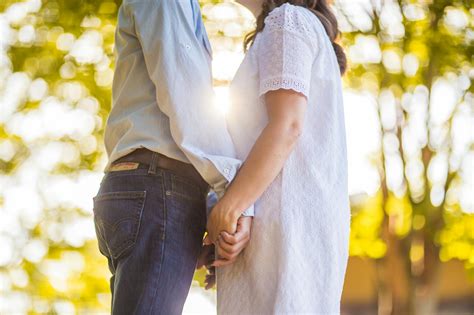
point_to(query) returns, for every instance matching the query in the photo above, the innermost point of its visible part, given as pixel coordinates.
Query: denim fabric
(150, 223)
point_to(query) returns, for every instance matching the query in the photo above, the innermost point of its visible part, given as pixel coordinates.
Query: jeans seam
(176, 178)
(163, 237)
(183, 196)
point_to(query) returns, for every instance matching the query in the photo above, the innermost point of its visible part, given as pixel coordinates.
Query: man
(166, 147)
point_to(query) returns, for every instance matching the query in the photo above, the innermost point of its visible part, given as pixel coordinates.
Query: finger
(205, 262)
(223, 262)
(229, 251)
(225, 255)
(223, 259)
(229, 238)
(245, 225)
(229, 241)
(207, 240)
(209, 286)
(222, 245)
(220, 253)
(211, 270)
(210, 278)
(235, 238)
(210, 282)
(206, 256)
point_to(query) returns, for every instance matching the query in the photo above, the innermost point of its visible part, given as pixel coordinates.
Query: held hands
(227, 247)
(221, 219)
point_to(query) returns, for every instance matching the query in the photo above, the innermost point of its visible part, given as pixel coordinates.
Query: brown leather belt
(145, 156)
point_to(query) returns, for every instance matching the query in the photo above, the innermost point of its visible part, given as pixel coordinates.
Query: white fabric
(297, 256)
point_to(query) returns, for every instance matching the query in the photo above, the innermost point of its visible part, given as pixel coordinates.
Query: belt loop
(153, 163)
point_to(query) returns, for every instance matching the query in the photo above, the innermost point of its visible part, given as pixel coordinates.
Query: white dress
(296, 259)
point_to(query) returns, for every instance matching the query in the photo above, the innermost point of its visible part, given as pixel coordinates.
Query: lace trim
(286, 83)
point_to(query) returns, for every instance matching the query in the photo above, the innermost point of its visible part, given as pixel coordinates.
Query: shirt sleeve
(177, 64)
(287, 51)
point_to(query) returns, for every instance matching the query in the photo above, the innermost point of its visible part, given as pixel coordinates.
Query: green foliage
(434, 36)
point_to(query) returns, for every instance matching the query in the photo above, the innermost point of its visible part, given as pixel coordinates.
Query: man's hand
(221, 220)
(205, 259)
(206, 256)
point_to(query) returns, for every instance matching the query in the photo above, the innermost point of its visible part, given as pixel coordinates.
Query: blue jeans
(150, 224)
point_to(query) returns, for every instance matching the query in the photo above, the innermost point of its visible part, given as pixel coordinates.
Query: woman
(287, 123)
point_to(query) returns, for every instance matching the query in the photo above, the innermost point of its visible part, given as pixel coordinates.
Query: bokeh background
(409, 110)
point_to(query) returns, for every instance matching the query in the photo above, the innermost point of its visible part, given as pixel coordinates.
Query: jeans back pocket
(117, 217)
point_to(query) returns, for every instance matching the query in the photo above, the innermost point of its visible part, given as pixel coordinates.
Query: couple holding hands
(278, 231)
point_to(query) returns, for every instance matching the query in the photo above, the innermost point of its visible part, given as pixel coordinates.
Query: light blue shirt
(162, 91)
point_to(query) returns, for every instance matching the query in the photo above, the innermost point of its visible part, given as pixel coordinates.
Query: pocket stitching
(137, 224)
(120, 195)
(141, 196)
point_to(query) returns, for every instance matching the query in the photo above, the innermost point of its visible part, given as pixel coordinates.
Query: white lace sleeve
(286, 51)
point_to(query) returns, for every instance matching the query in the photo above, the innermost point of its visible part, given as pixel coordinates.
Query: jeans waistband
(157, 160)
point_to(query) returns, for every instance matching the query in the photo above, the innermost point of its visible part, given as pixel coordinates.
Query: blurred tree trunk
(408, 276)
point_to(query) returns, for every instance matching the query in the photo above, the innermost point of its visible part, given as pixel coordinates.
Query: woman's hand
(228, 249)
(230, 246)
(221, 219)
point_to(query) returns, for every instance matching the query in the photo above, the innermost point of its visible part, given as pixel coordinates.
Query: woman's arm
(286, 110)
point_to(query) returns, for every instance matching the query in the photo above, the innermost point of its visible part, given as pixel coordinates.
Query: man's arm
(177, 65)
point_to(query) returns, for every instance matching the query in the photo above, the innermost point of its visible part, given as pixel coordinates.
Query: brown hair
(320, 8)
